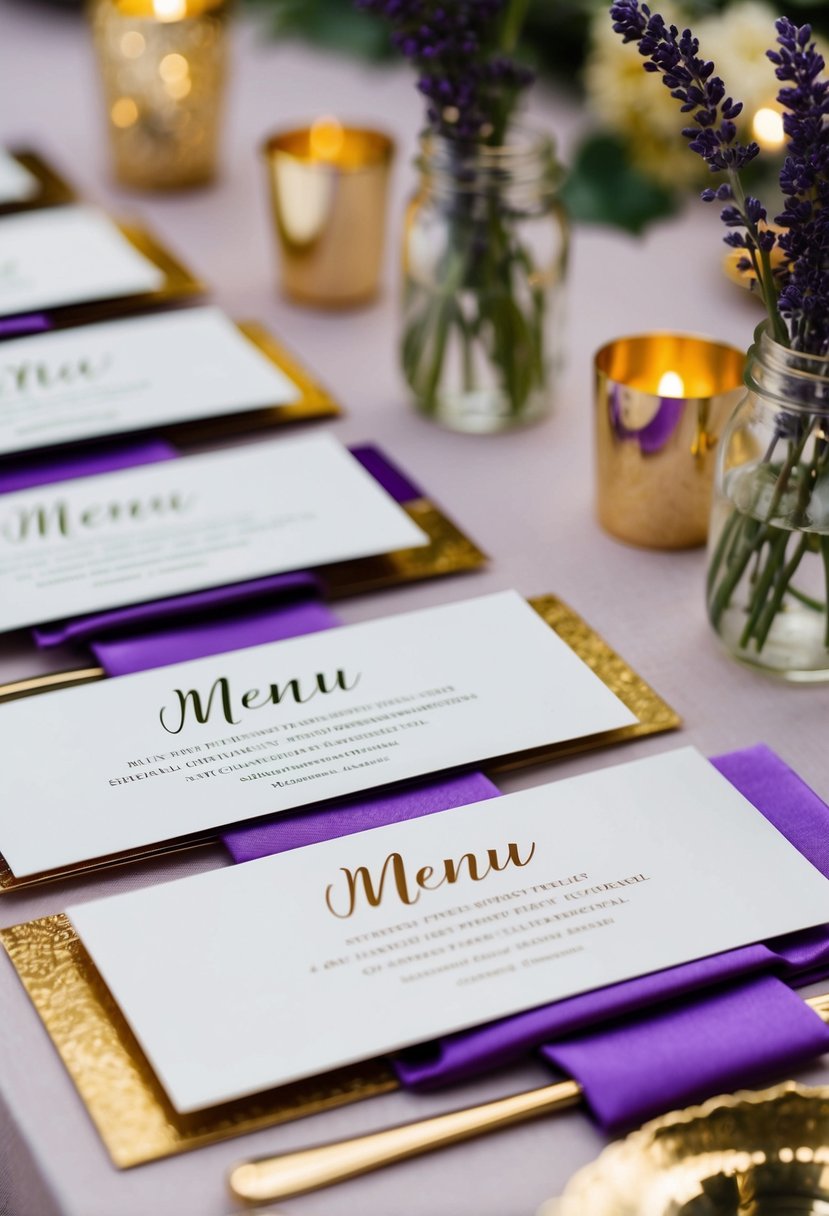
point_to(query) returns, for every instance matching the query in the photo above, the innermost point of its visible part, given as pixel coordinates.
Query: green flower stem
(824, 552)
(720, 551)
(776, 553)
(751, 536)
(808, 600)
(784, 577)
(761, 262)
(513, 23)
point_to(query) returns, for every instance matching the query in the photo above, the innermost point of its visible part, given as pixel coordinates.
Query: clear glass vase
(484, 260)
(768, 573)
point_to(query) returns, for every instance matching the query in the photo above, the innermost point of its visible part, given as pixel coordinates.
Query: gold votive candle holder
(163, 65)
(328, 187)
(661, 402)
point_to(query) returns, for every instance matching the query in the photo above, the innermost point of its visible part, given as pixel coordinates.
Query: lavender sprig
(804, 179)
(691, 80)
(470, 84)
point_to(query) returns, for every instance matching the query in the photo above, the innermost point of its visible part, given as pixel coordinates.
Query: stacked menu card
(184, 525)
(133, 374)
(253, 976)
(195, 746)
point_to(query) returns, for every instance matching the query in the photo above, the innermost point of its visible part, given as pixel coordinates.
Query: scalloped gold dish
(763, 1153)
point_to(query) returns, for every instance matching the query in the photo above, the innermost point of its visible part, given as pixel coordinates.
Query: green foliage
(603, 187)
(334, 24)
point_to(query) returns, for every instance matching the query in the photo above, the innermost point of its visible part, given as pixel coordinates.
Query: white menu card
(17, 184)
(131, 374)
(183, 525)
(145, 758)
(68, 255)
(263, 973)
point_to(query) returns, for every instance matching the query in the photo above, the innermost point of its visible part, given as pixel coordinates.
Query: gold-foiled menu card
(76, 258)
(424, 928)
(151, 372)
(189, 748)
(648, 714)
(177, 526)
(27, 181)
(410, 931)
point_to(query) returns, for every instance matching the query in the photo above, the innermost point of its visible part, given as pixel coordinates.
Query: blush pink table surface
(527, 498)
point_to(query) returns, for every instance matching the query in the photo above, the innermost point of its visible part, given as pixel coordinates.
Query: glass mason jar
(484, 260)
(768, 571)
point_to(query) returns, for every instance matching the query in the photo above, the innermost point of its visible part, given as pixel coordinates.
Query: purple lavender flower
(691, 81)
(702, 94)
(469, 85)
(804, 180)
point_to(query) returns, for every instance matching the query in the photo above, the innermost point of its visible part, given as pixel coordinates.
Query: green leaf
(334, 24)
(603, 187)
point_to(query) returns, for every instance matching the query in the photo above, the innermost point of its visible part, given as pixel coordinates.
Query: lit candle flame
(671, 384)
(767, 129)
(170, 10)
(326, 138)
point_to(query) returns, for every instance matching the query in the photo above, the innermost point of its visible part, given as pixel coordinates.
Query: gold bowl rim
(596, 1180)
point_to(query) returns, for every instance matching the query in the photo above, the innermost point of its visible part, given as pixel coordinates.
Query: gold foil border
(179, 284)
(653, 714)
(54, 190)
(315, 401)
(112, 1076)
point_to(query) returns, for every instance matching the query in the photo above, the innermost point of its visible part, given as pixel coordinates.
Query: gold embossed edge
(179, 285)
(54, 190)
(653, 714)
(314, 401)
(449, 551)
(116, 1084)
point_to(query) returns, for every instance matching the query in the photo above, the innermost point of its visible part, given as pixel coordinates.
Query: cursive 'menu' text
(59, 520)
(342, 898)
(221, 700)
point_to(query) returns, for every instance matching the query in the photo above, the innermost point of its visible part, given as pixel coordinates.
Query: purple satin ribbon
(638, 1048)
(16, 327)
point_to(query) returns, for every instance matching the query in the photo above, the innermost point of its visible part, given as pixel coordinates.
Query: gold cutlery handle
(280, 1177)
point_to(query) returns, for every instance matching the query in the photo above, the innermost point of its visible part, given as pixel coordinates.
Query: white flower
(636, 105)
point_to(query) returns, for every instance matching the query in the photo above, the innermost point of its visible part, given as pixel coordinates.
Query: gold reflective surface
(328, 189)
(125, 1101)
(656, 491)
(163, 65)
(760, 1153)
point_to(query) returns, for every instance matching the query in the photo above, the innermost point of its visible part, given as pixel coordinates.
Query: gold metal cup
(661, 402)
(328, 190)
(163, 65)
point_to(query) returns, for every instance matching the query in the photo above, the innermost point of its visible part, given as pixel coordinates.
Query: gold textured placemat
(451, 551)
(119, 1089)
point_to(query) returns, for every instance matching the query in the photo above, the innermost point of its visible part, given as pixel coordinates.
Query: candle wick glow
(170, 10)
(326, 138)
(671, 384)
(767, 128)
